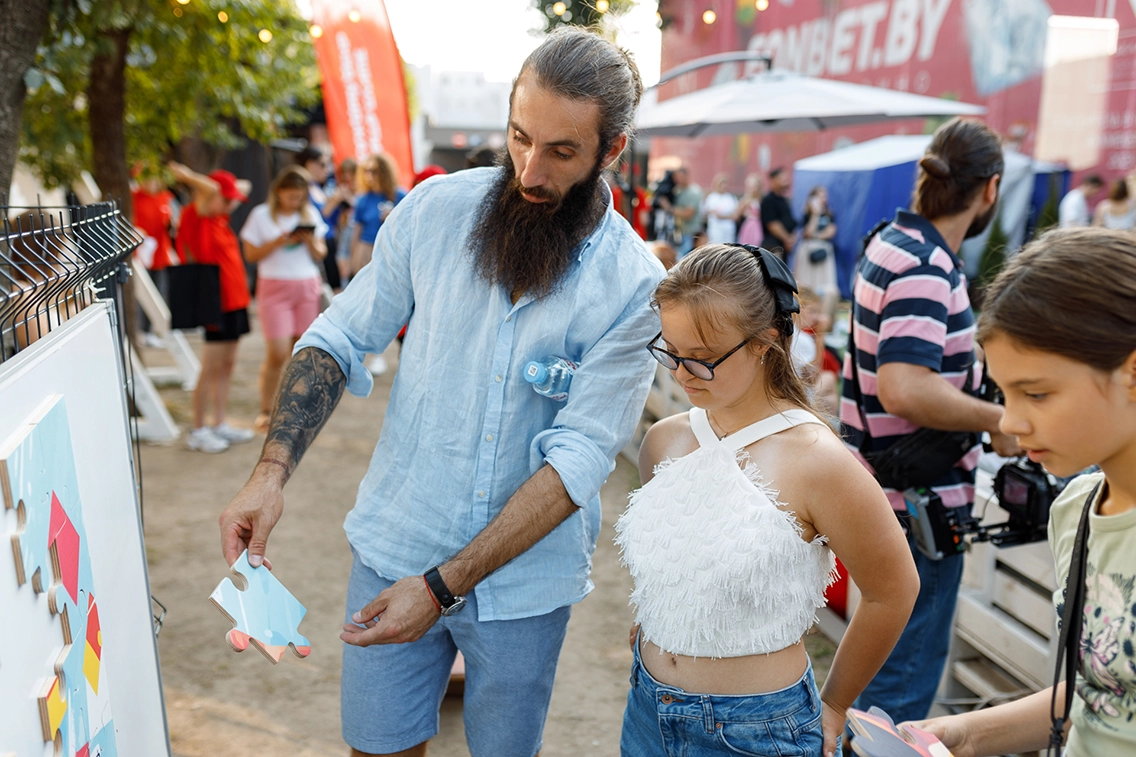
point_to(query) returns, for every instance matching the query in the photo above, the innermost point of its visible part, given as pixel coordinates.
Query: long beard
(528, 247)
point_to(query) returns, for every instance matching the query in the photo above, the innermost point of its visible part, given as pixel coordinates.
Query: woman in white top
(720, 208)
(1117, 212)
(730, 540)
(285, 238)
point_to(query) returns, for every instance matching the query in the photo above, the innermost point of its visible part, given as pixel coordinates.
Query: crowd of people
(1117, 210)
(313, 233)
(682, 217)
(474, 527)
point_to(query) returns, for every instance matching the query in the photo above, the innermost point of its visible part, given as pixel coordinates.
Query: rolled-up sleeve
(604, 403)
(369, 313)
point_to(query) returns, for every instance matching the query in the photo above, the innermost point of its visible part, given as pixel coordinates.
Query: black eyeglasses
(697, 368)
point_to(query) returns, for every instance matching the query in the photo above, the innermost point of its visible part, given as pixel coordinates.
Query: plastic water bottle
(550, 376)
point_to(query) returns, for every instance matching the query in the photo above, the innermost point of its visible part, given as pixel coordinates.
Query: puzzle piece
(264, 613)
(52, 705)
(93, 653)
(23, 461)
(39, 481)
(877, 736)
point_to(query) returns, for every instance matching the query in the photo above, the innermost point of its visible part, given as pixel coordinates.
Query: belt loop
(635, 661)
(707, 714)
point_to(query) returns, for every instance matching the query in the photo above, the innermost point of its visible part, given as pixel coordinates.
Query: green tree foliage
(993, 259)
(1048, 217)
(579, 12)
(189, 74)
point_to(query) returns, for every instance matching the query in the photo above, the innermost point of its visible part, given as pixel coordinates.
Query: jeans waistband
(800, 693)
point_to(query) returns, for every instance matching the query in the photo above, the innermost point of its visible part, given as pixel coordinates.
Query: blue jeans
(390, 693)
(665, 721)
(905, 686)
(684, 247)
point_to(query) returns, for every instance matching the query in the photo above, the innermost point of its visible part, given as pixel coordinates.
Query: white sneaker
(233, 435)
(150, 339)
(377, 365)
(204, 440)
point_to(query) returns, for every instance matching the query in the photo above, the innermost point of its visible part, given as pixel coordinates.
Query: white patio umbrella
(781, 100)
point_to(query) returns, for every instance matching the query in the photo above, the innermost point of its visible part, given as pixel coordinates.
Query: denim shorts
(665, 721)
(390, 693)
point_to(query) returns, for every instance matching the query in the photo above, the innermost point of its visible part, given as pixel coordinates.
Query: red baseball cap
(427, 172)
(230, 185)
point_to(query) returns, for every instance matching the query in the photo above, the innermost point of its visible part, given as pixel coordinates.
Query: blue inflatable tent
(866, 182)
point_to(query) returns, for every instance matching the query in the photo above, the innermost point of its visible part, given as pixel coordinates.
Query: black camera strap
(1071, 616)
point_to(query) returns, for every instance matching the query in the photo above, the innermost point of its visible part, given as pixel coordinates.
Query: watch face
(459, 603)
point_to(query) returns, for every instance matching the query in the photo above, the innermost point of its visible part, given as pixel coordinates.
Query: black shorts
(233, 325)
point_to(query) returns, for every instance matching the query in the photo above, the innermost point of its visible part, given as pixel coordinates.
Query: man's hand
(401, 613)
(951, 730)
(250, 518)
(1006, 446)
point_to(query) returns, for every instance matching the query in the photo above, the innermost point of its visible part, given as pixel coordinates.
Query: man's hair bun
(935, 166)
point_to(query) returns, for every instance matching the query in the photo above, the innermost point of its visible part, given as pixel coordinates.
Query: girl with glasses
(731, 539)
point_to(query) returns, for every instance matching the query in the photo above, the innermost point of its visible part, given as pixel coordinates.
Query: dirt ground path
(223, 704)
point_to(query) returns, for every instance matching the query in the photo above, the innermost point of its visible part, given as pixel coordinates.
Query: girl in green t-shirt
(1059, 330)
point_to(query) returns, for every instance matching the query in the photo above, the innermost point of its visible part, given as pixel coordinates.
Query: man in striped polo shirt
(913, 339)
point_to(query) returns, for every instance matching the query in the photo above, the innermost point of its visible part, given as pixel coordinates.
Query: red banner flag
(364, 93)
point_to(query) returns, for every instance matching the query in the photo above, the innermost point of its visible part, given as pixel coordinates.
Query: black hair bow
(780, 280)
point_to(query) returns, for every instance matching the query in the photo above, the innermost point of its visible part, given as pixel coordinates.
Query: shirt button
(481, 494)
(498, 379)
(489, 437)
(508, 318)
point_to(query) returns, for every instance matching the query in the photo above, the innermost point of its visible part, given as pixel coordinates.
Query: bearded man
(911, 365)
(481, 494)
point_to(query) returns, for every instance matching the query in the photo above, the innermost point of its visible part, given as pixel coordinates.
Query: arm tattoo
(310, 388)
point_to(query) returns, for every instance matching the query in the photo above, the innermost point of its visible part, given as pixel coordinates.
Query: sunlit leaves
(187, 76)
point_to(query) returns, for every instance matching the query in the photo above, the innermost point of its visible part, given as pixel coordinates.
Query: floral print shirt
(1104, 710)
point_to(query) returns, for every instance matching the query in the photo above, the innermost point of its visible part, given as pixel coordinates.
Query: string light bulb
(559, 8)
(761, 4)
(602, 6)
(264, 36)
(354, 15)
(709, 17)
(223, 17)
(183, 2)
(316, 31)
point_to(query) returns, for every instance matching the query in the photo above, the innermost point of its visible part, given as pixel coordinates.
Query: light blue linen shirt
(463, 429)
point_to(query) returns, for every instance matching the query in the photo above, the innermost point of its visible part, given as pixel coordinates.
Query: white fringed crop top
(719, 569)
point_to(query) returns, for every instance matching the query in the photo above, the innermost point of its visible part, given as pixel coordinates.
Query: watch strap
(438, 587)
(433, 599)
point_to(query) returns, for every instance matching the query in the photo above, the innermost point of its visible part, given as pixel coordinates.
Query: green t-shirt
(1104, 710)
(691, 197)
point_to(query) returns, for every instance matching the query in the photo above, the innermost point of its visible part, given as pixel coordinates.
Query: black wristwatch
(449, 603)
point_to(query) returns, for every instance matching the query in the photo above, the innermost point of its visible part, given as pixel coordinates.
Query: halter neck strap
(774, 424)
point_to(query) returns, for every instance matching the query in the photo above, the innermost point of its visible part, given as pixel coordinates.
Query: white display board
(75, 374)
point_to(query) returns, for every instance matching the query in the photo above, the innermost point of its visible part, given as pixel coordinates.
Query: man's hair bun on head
(935, 166)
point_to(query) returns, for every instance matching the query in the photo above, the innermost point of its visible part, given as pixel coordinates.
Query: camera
(1023, 489)
(938, 530)
(1026, 492)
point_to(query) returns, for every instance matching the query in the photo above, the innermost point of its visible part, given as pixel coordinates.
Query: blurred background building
(1057, 77)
